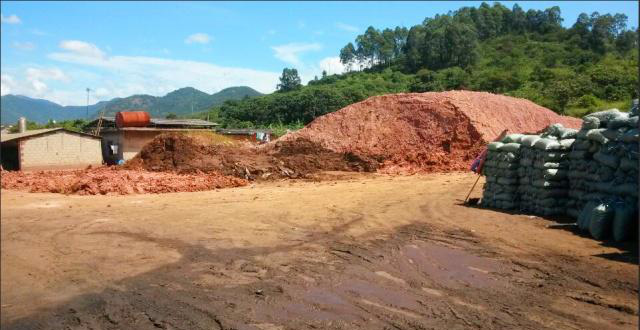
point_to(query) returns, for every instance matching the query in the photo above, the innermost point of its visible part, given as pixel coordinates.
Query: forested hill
(182, 101)
(591, 65)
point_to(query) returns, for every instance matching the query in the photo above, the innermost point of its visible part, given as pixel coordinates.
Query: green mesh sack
(596, 135)
(585, 215)
(566, 143)
(547, 144)
(614, 134)
(589, 123)
(601, 220)
(606, 115)
(581, 144)
(609, 160)
(510, 138)
(628, 164)
(567, 133)
(510, 147)
(494, 146)
(624, 222)
(620, 121)
(630, 136)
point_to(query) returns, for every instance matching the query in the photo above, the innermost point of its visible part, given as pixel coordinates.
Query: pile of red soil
(111, 180)
(423, 132)
(299, 159)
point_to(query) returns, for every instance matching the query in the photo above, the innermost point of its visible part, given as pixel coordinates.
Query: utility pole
(88, 102)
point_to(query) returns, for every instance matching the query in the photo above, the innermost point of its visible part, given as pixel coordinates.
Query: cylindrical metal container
(22, 125)
(132, 119)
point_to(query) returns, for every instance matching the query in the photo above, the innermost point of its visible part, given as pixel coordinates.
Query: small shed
(52, 148)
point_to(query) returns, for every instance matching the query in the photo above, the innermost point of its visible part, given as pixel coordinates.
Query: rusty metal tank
(132, 119)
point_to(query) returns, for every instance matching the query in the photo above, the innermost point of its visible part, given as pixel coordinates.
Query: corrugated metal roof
(182, 122)
(242, 130)
(170, 122)
(15, 136)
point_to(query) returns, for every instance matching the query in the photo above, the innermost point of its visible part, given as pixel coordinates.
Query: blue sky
(54, 50)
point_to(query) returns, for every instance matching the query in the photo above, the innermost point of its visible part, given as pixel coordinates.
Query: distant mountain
(179, 102)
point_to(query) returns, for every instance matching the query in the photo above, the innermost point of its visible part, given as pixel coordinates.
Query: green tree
(289, 81)
(626, 41)
(348, 56)
(171, 115)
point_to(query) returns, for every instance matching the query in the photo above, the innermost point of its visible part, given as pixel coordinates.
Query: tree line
(452, 40)
(589, 66)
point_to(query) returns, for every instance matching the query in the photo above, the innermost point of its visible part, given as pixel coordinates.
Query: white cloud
(347, 27)
(81, 48)
(46, 74)
(121, 76)
(11, 19)
(290, 53)
(101, 92)
(34, 82)
(25, 46)
(7, 84)
(332, 65)
(200, 38)
(39, 32)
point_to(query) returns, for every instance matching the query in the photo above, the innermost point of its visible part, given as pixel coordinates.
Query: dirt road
(372, 252)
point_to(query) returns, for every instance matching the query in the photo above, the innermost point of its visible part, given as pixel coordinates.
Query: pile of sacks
(543, 171)
(590, 175)
(603, 175)
(501, 171)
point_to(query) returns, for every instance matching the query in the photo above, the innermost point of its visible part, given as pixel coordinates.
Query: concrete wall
(133, 141)
(59, 150)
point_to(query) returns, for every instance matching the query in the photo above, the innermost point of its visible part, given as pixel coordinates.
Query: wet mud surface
(369, 263)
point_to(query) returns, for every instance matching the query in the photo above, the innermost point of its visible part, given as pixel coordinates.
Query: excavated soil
(111, 180)
(426, 132)
(289, 159)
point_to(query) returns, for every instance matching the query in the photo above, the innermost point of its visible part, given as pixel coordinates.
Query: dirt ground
(364, 252)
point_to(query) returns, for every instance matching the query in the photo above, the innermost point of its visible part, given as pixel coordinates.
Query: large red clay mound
(421, 132)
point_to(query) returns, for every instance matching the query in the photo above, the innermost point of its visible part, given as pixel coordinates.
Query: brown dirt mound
(185, 154)
(112, 180)
(423, 132)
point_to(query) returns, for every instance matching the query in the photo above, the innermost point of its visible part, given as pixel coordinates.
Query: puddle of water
(451, 266)
(466, 304)
(432, 292)
(369, 289)
(479, 270)
(389, 276)
(391, 309)
(324, 297)
(268, 326)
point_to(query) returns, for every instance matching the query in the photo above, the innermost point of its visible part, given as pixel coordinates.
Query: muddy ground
(366, 252)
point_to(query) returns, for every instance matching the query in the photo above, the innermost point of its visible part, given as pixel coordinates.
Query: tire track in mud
(430, 274)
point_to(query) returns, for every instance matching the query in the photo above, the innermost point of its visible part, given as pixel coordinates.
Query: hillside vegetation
(589, 66)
